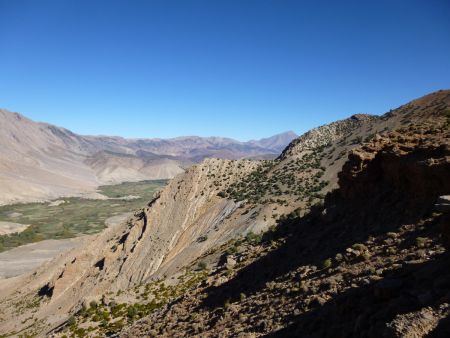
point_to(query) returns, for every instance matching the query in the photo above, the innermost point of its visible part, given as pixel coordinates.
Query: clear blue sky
(243, 69)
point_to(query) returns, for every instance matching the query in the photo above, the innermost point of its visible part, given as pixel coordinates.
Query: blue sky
(243, 69)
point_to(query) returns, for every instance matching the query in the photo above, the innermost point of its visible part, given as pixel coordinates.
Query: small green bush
(131, 312)
(326, 263)
(421, 242)
(71, 321)
(202, 265)
(359, 247)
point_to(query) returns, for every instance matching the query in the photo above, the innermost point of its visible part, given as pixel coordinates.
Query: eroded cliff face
(411, 162)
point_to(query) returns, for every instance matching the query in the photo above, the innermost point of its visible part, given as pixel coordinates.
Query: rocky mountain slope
(195, 263)
(370, 262)
(42, 161)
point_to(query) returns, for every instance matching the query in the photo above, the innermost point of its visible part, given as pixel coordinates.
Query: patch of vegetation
(269, 182)
(359, 247)
(421, 242)
(201, 265)
(253, 238)
(326, 263)
(109, 319)
(76, 215)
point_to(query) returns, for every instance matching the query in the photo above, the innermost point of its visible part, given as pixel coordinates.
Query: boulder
(230, 262)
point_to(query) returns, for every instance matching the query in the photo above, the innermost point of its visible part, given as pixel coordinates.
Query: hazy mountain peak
(276, 142)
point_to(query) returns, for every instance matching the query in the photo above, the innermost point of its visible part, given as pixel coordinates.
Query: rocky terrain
(40, 161)
(370, 262)
(343, 234)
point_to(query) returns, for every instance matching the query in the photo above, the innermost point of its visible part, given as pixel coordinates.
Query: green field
(74, 217)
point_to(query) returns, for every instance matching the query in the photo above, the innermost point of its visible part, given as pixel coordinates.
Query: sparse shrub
(369, 137)
(392, 234)
(222, 194)
(421, 242)
(390, 251)
(326, 263)
(202, 238)
(357, 140)
(253, 238)
(131, 312)
(366, 256)
(80, 332)
(202, 265)
(71, 321)
(232, 249)
(359, 247)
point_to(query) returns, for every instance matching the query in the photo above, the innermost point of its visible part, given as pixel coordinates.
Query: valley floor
(72, 217)
(26, 258)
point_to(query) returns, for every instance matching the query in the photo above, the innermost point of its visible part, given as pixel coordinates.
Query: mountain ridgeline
(41, 161)
(343, 234)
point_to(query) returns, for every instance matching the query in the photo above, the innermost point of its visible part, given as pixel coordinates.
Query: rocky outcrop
(412, 162)
(327, 134)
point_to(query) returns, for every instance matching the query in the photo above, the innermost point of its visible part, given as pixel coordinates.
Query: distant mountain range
(41, 161)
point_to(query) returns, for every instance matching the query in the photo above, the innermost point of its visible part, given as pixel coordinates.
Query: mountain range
(345, 234)
(41, 161)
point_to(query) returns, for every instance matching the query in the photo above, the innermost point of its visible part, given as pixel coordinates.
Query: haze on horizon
(244, 70)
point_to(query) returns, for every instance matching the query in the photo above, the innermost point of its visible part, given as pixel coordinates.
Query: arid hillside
(41, 161)
(370, 262)
(272, 247)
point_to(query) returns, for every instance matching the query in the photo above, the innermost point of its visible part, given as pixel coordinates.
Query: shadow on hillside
(442, 330)
(387, 194)
(364, 311)
(310, 241)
